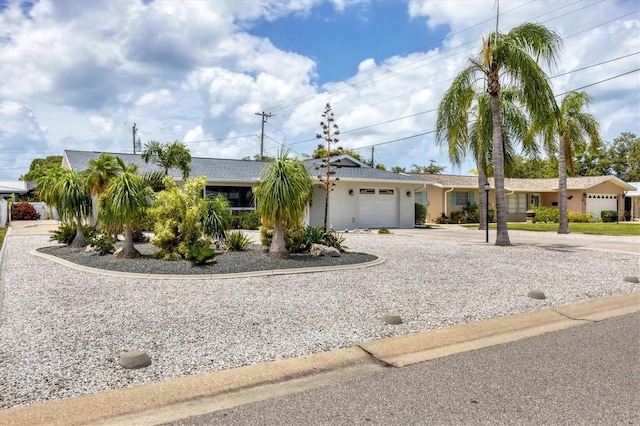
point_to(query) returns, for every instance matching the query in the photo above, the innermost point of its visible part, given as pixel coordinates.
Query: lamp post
(487, 187)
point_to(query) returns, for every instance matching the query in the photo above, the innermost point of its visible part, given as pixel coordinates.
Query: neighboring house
(17, 189)
(360, 196)
(450, 193)
(632, 202)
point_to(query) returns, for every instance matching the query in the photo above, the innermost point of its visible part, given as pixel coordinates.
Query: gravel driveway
(63, 330)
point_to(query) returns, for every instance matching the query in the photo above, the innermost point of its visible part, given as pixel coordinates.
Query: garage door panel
(378, 207)
(596, 203)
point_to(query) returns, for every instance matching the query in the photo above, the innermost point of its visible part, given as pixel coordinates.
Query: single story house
(451, 193)
(16, 189)
(360, 196)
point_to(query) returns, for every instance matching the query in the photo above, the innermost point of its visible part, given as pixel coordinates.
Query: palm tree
(71, 196)
(124, 203)
(101, 170)
(168, 155)
(511, 56)
(572, 127)
(283, 193)
(468, 127)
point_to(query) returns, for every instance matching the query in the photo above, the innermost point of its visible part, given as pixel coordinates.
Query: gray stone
(631, 279)
(135, 359)
(322, 250)
(90, 249)
(536, 294)
(391, 319)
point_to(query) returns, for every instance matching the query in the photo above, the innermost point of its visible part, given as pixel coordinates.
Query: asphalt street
(586, 375)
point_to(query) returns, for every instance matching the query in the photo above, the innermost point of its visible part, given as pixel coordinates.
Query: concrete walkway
(195, 395)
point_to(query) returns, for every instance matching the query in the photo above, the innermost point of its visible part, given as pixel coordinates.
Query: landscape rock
(118, 251)
(631, 280)
(391, 319)
(536, 294)
(322, 250)
(135, 359)
(90, 249)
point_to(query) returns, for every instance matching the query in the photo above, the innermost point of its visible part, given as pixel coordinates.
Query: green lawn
(599, 228)
(3, 232)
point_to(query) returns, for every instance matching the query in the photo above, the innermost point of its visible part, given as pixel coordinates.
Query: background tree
(283, 193)
(512, 56)
(40, 166)
(168, 155)
(124, 202)
(330, 131)
(431, 169)
(70, 195)
(569, 132)
(624, 155)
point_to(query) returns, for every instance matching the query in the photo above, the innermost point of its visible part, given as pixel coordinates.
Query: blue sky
(78, 74)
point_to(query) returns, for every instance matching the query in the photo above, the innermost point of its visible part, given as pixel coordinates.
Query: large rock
(135, 359)
(322, 250)
(391, 319)
(536, 294)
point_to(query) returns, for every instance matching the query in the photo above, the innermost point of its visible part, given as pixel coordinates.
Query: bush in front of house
(579, 217)
(66, 232)
(609, 215)
(546, 214)
(246, 220)
(420, 213)
(458, 217)
(442, 219)
(293, 237)
(24, 211)
(472, 213)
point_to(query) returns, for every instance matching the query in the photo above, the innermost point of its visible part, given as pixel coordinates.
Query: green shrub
(458, 217)
(104, 244)
(420, 213)
(472, 213)
(293, 238)
(546, 214)
(24, 211)
(609, 215)
(66, 232)
(383, 230)
(238, 241)
(336, 240)
(314, 235)
(216, 220)
(199, 253)
(579, 217)
(442, 219)
(246, 220)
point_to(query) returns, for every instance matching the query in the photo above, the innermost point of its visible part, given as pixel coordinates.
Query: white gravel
(63, 331)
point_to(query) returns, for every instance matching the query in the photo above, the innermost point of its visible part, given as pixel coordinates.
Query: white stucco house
(360, 196)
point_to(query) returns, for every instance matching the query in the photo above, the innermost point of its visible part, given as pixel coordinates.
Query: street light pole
(487, 187)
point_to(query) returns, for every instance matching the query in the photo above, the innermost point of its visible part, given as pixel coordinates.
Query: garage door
(598, 202)
(378, 207)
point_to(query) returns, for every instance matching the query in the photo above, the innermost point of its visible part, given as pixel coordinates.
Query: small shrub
(336, 240)
(609, 215)
(579, 217)
(442, 219)
(420, 213)
(24, 211)
(199, 253)
(546, 214)
(104, 243)
(458, 217)
(383, 230)
(314, 235)
(66, 232)
(472, 213)
(246, 220)
(238, 241)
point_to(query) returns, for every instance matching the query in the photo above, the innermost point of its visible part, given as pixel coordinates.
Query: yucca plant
(199, 253)
(238, 241)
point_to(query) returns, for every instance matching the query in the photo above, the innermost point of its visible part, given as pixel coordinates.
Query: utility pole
(264, 119)
(372, 149)
(134, 130)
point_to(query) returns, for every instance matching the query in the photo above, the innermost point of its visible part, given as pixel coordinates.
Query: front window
(517, 203)
(237, 196)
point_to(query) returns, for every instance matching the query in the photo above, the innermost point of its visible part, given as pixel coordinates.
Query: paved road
(586, 375)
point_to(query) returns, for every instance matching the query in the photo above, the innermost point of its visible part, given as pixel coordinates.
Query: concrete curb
(171, 400)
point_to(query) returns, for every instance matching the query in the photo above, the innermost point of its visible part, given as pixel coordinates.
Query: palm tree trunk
(563, 227)
(482, 196)
(278, 247)
(78, 240)
(502, 238)
(128, 251)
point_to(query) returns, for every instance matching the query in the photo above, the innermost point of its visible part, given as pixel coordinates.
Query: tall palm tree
(283, 193)
(71, 196)
(465, 123)
(168, 155)
(124, 203)
(101, 170)
(513, 56)
(573, 128)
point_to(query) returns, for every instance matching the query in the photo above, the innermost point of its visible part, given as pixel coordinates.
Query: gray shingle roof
(228, 170)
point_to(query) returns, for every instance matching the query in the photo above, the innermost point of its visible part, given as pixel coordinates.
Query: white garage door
(378, 207)
(598, 202)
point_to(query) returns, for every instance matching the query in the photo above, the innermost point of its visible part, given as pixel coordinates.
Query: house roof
(528, 185)
(249, 171)
(16, 187)
(636, 191)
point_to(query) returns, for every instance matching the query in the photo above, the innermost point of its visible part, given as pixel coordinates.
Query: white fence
(43, 209)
